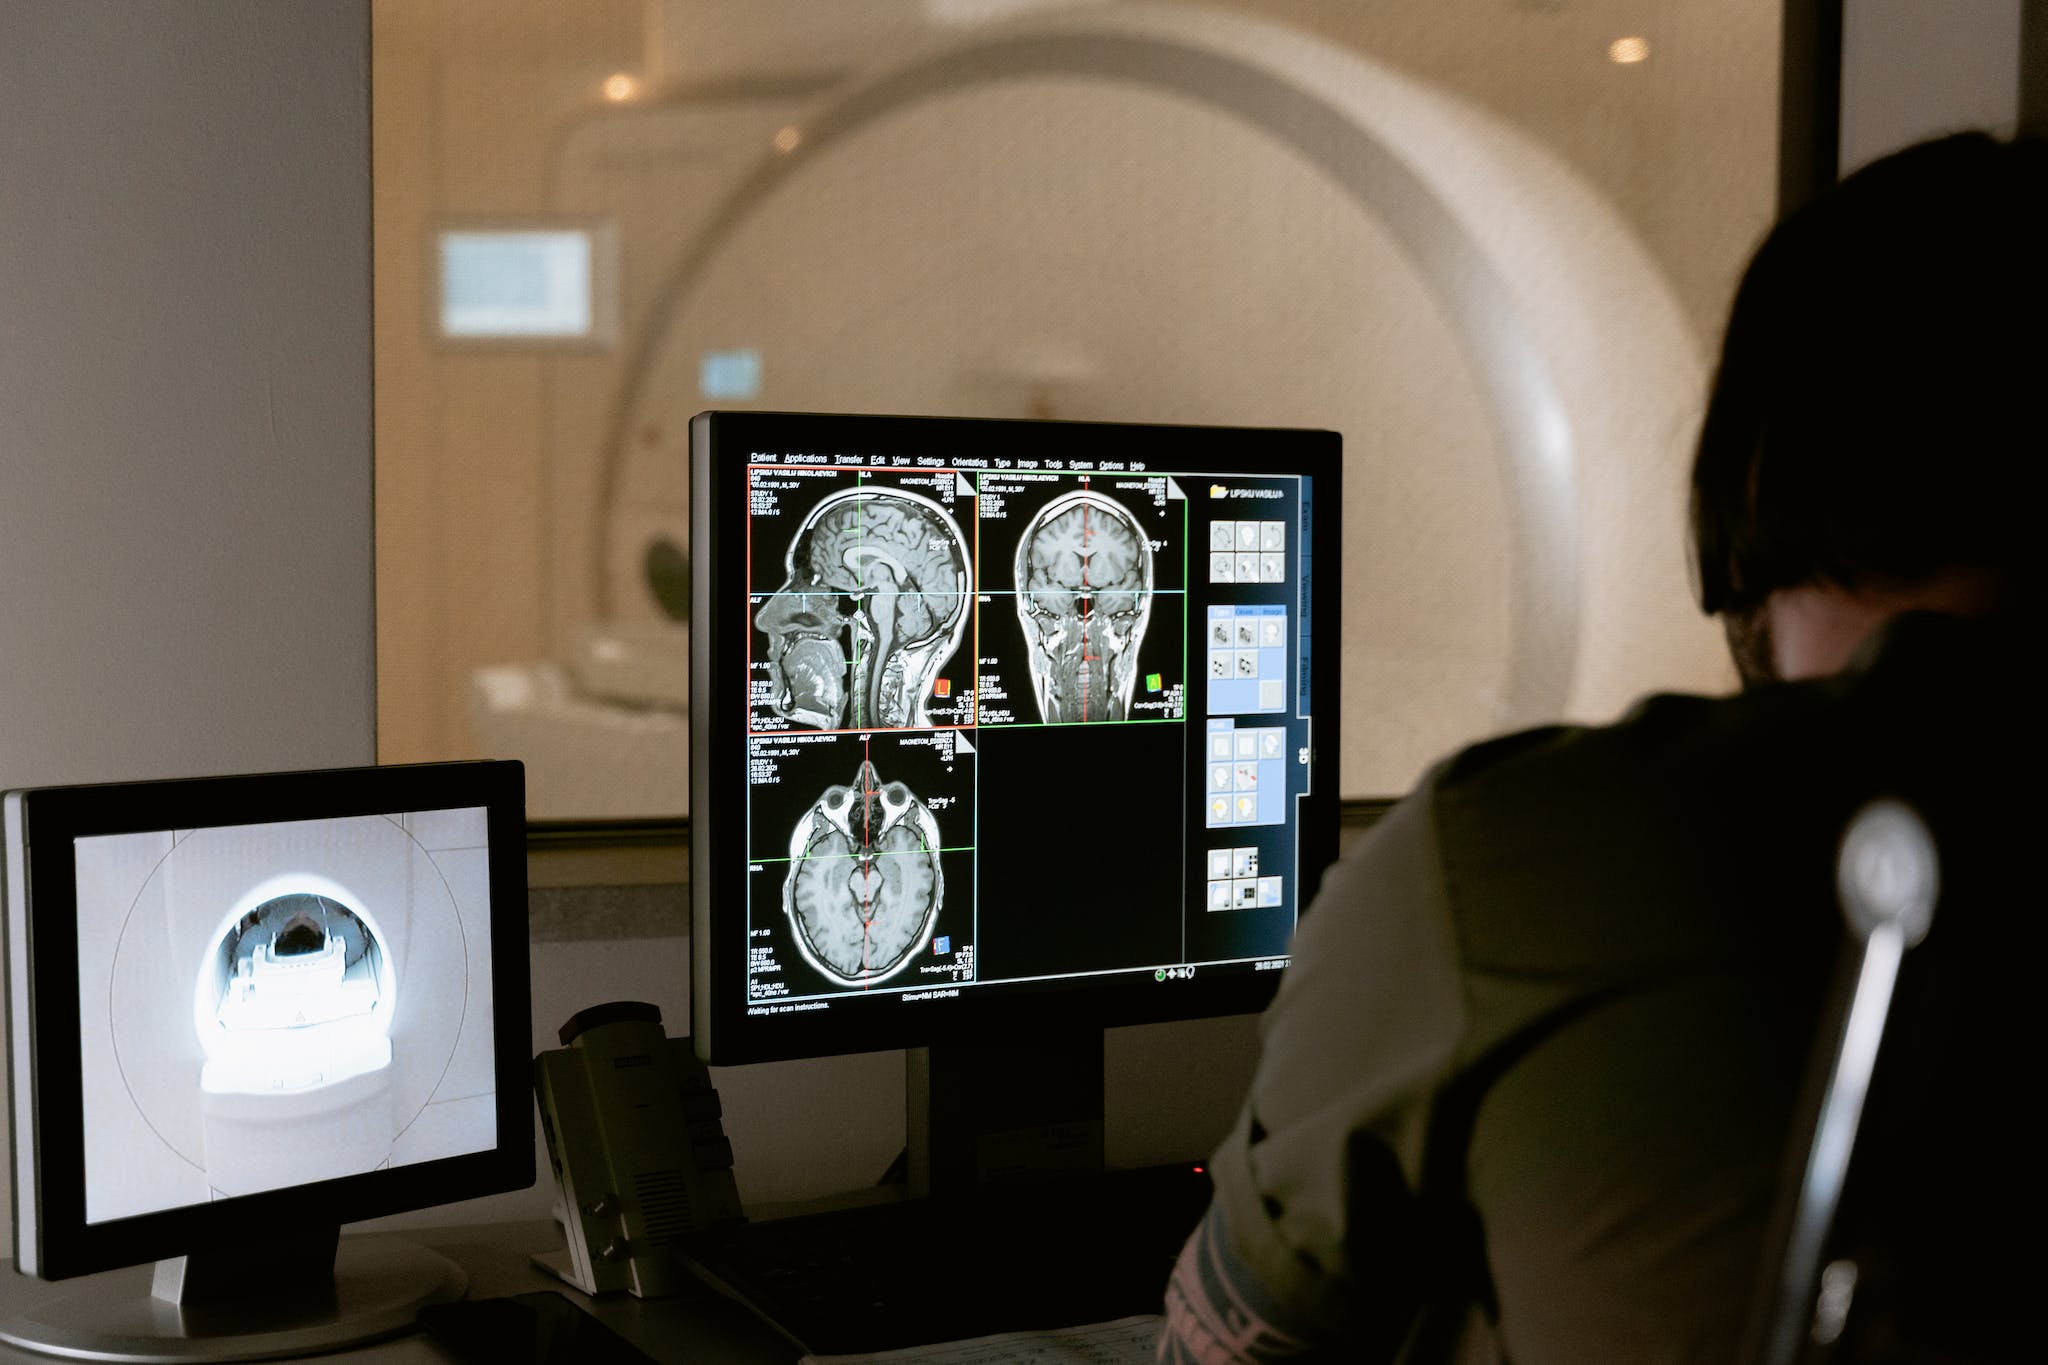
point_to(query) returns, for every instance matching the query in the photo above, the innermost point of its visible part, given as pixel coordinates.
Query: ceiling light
(1628, 51)
(786, 139)
(620, 88)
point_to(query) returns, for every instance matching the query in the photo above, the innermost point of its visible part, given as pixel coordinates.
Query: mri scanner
(1148, 212)
(289, 1002)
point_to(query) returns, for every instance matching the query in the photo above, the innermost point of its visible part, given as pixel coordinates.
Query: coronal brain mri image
(1084, 594)
(865, 882)
(876, 596)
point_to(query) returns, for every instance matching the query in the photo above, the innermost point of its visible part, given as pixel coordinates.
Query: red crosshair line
(867, 857)
(1087, 606)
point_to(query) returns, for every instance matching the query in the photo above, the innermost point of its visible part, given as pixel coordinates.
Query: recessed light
(1628, 51)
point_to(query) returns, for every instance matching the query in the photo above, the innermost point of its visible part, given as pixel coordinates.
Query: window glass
(1490, 243)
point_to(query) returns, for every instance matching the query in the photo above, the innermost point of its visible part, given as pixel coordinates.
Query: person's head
(1874, 437)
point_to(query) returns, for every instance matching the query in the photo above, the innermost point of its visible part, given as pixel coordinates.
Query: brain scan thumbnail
(1084, 594)
(874, 602)
(865, 884)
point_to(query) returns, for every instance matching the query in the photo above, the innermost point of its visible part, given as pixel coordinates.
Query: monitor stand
(272, 1296)
(995, 1111)
(1006, 1220)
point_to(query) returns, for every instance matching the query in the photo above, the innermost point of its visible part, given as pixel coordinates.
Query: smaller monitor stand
(273, 1294)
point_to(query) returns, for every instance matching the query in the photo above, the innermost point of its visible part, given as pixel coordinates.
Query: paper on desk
(1127, 1341)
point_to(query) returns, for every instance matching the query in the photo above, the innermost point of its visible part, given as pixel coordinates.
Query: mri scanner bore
(300, 997)
(266, 1005)
(1164, 212)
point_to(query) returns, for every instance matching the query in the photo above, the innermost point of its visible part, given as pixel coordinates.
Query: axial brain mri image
(864, 885)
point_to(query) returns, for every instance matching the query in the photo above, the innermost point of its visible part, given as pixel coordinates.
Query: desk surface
(696, 1325)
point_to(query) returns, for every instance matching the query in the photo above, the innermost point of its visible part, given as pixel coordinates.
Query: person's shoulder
(1603, 764)
(1606, 848)
(1718, 795)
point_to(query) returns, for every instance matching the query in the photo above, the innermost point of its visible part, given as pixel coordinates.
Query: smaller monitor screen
(274, 1001)
(265, 1005)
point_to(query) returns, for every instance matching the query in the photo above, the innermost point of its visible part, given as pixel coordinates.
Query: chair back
(1913, 1186)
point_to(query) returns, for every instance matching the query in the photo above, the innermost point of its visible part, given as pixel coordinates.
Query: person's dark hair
(1878, 412)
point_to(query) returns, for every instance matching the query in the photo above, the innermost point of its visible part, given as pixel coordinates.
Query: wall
(1912, 71)
(185, 498)
(184, 389)
(467, 98)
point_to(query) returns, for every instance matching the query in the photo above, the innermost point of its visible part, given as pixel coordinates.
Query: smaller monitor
(243, 1011)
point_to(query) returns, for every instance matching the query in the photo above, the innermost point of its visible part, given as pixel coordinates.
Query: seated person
(1525, 1090)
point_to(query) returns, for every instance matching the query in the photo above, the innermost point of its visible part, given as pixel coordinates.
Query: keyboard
(1048, 1252)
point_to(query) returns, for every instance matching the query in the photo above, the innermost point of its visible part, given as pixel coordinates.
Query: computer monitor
(1003, 732)
(243, 1011)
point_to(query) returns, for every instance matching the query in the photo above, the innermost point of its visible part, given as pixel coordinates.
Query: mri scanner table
(697, 1325)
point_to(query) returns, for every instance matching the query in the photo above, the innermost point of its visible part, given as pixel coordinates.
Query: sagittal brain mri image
(1084, 594)
(875, 601)
(864, 885)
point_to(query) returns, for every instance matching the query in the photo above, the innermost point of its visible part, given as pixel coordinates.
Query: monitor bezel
(720, 443)
(53, 1240)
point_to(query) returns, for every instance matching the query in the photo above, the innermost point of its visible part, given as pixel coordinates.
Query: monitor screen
(303, 994)
(533, 282)
(1001, 720)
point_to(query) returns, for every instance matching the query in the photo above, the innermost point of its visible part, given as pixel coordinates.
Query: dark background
(1082, 833)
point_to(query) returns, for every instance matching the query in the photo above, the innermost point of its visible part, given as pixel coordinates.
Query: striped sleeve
(1217, 1312)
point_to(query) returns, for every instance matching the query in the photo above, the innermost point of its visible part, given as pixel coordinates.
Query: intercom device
(639, 1151)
